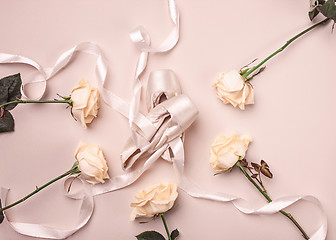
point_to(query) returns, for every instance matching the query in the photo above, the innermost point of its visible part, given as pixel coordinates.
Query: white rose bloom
(153, 200)
(231, 88)
(92, 163)
(85, 102)
(226, 151)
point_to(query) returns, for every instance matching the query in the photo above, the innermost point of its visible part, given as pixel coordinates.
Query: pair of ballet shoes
(170, 112)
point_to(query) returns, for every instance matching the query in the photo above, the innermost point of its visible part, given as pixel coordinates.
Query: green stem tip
(68, 101)
(283, 47)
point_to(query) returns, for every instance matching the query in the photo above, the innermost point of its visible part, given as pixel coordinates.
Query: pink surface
(292, 122)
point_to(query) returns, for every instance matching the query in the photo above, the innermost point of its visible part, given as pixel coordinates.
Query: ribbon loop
(42, 231)
(162, 85)
(171, 118)
(170, 114)
(142, 40)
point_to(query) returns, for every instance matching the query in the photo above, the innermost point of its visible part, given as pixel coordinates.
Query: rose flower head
(153, 200)
(226, 151)
(231, 88)
(91, 163)
(85, 102)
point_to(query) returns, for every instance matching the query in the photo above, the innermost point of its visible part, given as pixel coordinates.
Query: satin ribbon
(170, 118)
(101, 71)
(163, 82)
(181, 113)
(242, 205)
(142, 138)
(142, 41)
(41, 231)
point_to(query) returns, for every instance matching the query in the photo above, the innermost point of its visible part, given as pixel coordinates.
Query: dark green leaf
(328, 9)
(7, 123)
(10, 90)
(1, 214)
(3, 93)
(2, 112)
(312, 14)
(150, 235)
(14, 90)
(174, 234)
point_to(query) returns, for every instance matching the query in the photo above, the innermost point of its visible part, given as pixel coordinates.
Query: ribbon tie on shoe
(141, 39)
(170, 112)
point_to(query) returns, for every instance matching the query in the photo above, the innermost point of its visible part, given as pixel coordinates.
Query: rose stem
(283, 47)
(32, 101)
(288, 215)
(73, 170)
(165, 225)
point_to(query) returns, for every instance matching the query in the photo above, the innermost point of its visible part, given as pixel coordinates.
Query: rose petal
(231, 88)
(226, 151)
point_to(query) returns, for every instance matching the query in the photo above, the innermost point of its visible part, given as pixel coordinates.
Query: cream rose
(85, 102)
(231, 88)
(91, 163)
(153, 200)
(226, 151)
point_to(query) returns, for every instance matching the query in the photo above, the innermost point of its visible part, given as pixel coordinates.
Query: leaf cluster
(327, 8)
(153, 235)
(10, 90)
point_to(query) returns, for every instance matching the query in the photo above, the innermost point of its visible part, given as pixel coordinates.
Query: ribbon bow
(170, 112)
(142, 41)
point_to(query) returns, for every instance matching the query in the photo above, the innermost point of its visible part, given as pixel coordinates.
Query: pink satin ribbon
(170, 136)
(242, 205)
(42, 231)
(142, 41)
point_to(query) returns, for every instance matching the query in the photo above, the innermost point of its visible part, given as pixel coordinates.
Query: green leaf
(312, 14)
(150, 235)
(7, 122)
(243, 71)
(328, 9)
(1, 214)
(174, 234)
(10, 90)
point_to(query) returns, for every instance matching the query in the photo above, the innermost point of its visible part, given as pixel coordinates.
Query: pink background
(292, 122)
